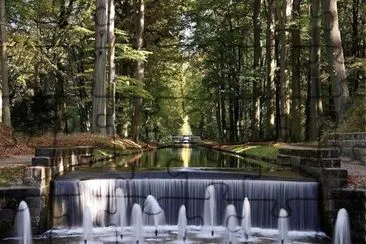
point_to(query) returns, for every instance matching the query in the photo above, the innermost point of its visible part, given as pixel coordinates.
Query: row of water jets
(153, 215)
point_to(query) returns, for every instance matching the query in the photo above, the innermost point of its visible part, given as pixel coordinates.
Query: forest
(258, 70)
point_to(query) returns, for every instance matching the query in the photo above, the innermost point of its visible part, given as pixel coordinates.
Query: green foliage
(356, 118)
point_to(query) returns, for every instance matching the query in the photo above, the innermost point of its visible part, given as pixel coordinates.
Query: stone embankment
(46, 165)
(329, 165)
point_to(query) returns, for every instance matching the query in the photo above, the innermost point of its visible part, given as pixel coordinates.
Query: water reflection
(187, 156)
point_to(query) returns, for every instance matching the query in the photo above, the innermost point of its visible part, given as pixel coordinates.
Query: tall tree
(285, 10)
(256, 62)
(139, 72)
(111, 102)
(295, 109)
(271, 69)
(316, 107)
(337, 69)
(99, 91)
(4, 91)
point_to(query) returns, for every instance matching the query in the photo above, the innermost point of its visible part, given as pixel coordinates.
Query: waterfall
(266, 197)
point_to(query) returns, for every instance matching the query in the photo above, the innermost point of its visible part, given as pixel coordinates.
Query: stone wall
(37, 200)
(47, 164)
(349, 145)
(324, 165)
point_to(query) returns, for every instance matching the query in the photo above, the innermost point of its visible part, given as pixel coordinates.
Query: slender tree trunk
(111, 104)
(316, 107)
(256, 62)
(139, 71)
(271, 68)
(355, 24)
(218, 112)
(295, 109)
(337, 69)
(99, 91)
(307, 133)
(284, 16)
(223, 114)
(4, 92)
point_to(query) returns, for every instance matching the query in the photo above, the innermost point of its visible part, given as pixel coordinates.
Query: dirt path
(356, 172)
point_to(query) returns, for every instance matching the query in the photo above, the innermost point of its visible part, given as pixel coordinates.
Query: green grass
(269, 152)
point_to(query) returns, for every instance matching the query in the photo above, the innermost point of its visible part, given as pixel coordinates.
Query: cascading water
(182, 224)
(283, 226)
(136, 222)
(342, 232)
(153, 213)
(246, 223)
(23, 224)
(119, 218)
(230, 223)
(87, 225)
(209, 210)
(74, 195)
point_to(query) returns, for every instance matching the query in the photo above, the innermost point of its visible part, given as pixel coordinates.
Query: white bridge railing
(186, 139)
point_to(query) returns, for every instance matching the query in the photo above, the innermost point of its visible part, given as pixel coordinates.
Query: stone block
(37, 176)
(45, 161)
(36, 202)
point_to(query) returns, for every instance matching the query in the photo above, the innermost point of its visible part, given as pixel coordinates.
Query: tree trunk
(316, 108)
(271, 68)
(139, 71)
(355, 24)
(284, 15)
(337, 68)
(99, 92)
(111, 103)
(223, 113)
(295, 109)
(4, 92)
(257, 56)
(218, 112)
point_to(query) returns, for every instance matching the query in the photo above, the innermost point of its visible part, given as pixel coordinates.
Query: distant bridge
(186, 139)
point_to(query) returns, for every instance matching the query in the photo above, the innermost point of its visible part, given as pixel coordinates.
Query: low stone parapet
(312, 152)
(349, 145)
(47, 164)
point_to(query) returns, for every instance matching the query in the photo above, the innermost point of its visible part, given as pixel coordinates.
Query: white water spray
(342, 232)
(23, 224)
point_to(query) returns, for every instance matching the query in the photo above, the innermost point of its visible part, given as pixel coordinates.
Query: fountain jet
(23, 224)
(231, 223)
(342, 233)
(121, 210)
(209, 209)
(87, 225)
(182, 224)
(246, 222)
(153, 213)
(283, 226)
(136, 222)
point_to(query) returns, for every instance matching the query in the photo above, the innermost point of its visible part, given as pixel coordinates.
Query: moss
(10, 175)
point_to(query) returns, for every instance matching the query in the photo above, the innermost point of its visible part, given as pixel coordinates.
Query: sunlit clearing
(186, 128)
